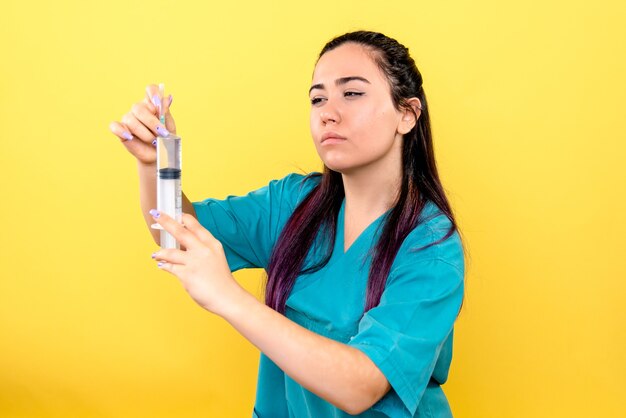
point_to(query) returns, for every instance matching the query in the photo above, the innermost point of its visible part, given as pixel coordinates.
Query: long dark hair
(318, 212)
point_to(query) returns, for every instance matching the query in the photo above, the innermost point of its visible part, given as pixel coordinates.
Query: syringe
(169, 170)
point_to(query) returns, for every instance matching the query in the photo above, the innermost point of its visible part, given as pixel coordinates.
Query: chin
(338, 166)
(342, 168)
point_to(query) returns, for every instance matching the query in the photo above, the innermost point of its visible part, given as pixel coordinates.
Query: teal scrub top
(408, 335)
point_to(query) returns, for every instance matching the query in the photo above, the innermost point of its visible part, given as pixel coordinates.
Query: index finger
(178, 231)
(152, 91)
(203, 234)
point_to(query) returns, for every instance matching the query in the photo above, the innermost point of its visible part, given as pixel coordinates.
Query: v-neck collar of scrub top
(358, 241)
(372, 231)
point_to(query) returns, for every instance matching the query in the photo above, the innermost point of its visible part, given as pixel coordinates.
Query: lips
(332, 135)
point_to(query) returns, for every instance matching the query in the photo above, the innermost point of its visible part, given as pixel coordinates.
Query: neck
(373, 189)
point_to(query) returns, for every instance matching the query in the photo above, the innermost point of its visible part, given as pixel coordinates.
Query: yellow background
(527, 101)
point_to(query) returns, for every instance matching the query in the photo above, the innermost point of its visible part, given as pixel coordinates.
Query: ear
(410, 114)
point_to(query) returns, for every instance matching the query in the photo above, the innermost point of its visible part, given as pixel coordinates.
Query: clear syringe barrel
(169, 194)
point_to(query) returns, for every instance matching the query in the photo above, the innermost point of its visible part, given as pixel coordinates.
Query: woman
(364, 261)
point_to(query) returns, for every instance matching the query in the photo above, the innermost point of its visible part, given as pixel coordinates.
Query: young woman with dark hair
(365, 263)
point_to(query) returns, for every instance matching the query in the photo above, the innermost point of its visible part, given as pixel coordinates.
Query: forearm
(148, 197)
(336, 372)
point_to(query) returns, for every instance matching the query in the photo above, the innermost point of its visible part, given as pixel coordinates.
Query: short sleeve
(404, 335)
(270, 386)
(248, 226)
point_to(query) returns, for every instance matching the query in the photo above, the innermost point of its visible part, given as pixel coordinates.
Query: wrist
(146, 166)
(239, 303)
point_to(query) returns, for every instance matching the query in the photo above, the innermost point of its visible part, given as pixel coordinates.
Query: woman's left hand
(202, 267)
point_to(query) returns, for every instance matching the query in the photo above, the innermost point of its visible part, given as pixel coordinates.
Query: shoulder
(426, 243)
(426, 263)
(294, 187)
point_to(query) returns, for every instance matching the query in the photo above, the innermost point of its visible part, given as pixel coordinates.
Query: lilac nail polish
(155, 213)
(160, 264)
(162, 131)
(154, 142)
(153, 255)
(127, 136)
(156, 100)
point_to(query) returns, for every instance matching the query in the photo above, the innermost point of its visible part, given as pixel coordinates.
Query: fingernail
(153, 255)
(160, 264)
(127, 136)
(162, 131)
(154, 142)
(171, 99)
(155, 213)
(156, 100)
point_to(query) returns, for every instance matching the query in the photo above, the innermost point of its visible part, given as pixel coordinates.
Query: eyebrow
(340, 81)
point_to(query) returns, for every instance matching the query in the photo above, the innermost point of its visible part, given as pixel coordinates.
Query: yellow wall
(528, 112)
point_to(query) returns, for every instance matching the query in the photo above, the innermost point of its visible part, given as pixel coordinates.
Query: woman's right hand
(138, 128)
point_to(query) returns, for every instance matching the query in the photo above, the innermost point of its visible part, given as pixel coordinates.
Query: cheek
(376, 126)
(314, 124)
(314, 128)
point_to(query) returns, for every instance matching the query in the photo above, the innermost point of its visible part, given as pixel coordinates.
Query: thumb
(169, 119)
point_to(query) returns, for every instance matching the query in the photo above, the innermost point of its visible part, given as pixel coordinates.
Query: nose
(329, 115)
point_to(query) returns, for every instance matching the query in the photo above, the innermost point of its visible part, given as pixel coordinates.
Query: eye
(353, 94)
(316, 100)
